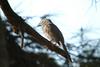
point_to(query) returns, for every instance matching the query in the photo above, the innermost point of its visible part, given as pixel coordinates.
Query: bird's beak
(39, 25)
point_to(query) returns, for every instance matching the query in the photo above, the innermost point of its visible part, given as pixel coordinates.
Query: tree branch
(16, 20)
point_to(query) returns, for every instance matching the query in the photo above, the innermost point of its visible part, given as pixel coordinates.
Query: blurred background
(78, 21)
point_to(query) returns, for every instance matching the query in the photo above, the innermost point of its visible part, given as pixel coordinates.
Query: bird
(53, 34)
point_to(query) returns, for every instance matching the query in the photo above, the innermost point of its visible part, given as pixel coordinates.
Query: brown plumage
(53, 34)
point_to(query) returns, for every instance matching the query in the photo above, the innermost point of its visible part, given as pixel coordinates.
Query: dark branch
(16, 20)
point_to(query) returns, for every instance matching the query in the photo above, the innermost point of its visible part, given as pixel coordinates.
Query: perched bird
(53, 34)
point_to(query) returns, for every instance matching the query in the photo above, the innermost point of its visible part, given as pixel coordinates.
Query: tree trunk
(3, 49)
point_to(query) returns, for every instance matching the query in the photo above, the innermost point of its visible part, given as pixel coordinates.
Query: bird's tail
(68, 58)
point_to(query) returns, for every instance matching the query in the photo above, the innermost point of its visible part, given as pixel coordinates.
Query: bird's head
(44, 22)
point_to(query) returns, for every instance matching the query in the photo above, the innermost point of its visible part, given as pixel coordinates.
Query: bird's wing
(56, 32)
(59, 35)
